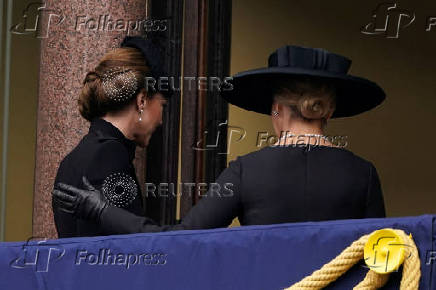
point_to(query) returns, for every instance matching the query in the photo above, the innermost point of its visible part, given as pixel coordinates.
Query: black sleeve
(375, 206)
(109, 170)
(110, 159)
(220, 205)
(222, 202)
(65, 223)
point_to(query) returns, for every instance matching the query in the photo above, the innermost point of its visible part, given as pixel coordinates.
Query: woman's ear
(141, 99)
(280, 109)
(275, 107)
(329, 116)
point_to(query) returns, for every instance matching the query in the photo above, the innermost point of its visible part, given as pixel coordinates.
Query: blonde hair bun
(308, 98)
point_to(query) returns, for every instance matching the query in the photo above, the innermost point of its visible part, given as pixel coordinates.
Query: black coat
(276, 185)
(105, 157)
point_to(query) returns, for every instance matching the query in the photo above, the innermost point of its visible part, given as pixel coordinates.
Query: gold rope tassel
(373, 280)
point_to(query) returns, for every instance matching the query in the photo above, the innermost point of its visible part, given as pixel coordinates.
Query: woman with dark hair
(123, 113)
(308, 180)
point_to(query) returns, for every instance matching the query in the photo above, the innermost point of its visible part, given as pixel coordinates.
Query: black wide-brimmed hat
(253, 90)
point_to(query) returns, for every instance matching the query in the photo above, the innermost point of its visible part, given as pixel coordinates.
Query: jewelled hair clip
(119, 84)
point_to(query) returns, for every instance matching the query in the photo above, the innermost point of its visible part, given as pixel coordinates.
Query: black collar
(105, 130)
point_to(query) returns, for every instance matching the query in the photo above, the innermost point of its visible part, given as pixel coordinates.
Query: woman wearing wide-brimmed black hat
(303, 177)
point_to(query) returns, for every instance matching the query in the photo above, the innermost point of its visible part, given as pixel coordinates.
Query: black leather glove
(83, 203)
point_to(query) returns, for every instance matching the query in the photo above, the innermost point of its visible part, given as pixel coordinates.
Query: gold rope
(354, 253)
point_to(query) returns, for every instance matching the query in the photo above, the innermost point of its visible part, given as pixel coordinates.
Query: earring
(275, 113)
(140, 114)
(142, 109)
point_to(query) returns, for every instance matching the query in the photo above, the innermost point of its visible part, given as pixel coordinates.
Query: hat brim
(253, 90)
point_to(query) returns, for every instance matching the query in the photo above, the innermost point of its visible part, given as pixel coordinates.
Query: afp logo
(388, 20)
(37, 255)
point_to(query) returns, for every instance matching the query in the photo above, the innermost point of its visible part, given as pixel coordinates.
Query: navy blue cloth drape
(251, 257)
